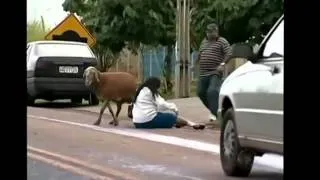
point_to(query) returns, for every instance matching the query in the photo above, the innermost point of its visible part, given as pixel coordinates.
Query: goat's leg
(114, 121)
(104, 105)
(119, 106)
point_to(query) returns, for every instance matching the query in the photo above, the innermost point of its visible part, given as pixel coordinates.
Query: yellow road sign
(71, 29)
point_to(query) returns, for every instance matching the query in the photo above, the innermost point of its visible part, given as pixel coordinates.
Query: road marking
(274, 161)
(260, 111)
(76, 166)
(66, 167)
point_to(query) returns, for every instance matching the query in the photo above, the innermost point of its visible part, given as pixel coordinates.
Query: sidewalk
(189, 109)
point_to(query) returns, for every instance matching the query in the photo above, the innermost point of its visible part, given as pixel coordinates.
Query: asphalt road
(137, 157)
(37, 170)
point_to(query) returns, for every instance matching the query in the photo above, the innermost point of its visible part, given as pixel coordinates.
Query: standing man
(213, 54)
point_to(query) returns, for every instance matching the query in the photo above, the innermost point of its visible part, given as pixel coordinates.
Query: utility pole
(42, 24)
(182, 66)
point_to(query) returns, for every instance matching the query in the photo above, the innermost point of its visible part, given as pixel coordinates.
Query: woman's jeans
(162, 120)
(208, 91)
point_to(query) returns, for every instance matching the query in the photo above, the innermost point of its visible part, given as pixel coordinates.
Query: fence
(153, 62)
(150, 63)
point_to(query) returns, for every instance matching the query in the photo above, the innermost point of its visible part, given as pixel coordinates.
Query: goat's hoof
(113, 123)
(96, 123)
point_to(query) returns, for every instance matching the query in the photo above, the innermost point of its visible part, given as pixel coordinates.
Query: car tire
(77, 100)
(30, 100)
(235, 160)
(93, 100)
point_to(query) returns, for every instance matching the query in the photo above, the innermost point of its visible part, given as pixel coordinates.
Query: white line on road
(270, 160)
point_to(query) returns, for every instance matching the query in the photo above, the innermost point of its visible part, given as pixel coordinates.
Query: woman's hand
(175, 109)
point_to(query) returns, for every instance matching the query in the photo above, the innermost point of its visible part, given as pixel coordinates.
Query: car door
(259, 102)
(271, 123)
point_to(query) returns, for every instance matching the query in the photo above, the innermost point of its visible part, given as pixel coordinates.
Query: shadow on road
(266, 175)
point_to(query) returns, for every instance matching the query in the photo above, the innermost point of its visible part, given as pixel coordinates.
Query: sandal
(199, 126)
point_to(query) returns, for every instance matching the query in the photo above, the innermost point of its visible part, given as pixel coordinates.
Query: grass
(36, 30)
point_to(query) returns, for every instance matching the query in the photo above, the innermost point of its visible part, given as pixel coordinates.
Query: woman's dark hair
(153, 83)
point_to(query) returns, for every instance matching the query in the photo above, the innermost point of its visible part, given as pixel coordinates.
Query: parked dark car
(55, 71)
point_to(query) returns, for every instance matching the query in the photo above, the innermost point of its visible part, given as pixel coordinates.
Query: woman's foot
(199, 126)
(212, 118)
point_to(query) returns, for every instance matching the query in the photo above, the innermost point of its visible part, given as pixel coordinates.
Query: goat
(118, 87)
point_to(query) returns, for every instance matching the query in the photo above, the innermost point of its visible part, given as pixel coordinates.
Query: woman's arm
(163, 105)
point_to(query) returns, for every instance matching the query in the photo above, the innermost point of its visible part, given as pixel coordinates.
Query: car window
(274, 46)
(68, 50)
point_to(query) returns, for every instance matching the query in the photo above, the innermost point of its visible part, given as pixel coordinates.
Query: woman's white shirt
(146, 107)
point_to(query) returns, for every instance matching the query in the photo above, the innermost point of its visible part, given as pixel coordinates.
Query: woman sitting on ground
(150, 110)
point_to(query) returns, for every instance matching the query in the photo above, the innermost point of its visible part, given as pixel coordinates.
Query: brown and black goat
(118, 87)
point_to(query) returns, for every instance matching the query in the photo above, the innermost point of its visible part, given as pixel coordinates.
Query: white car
(251, 106)
(55, 71)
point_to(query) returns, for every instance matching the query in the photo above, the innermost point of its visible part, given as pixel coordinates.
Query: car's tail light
(42, 64)
(42, 67)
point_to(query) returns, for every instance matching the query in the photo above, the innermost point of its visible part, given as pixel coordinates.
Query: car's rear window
(68, 50)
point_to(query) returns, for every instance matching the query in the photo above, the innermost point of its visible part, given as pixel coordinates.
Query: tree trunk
(168, 69)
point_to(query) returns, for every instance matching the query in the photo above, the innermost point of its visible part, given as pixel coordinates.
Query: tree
(238, 20)
(119, 24)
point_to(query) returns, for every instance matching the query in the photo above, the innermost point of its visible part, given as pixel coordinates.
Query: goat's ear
(96, 75)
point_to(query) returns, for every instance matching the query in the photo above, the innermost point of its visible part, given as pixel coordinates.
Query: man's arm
(226, 48)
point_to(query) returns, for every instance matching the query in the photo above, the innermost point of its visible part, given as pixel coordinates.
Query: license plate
(68, 69)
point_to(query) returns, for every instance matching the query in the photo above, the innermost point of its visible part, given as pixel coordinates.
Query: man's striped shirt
(212, 54)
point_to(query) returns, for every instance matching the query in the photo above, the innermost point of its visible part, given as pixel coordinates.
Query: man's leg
(203, 84)
(213, 94)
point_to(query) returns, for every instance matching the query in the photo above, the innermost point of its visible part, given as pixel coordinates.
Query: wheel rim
(229, 140)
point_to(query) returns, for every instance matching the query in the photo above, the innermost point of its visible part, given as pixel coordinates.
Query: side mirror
(242, 50)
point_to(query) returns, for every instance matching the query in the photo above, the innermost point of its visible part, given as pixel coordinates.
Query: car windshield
(275, 43)
(59, 49)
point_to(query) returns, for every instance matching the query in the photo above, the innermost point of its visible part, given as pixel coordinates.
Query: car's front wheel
(30, 100)
(235, 160)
